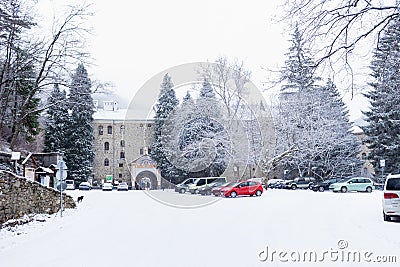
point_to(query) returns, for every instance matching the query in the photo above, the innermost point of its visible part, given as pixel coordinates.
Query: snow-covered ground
(132, 229)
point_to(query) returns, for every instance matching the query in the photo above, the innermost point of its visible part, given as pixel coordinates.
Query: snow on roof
(102, 114)
(120, 115)
(356, 130)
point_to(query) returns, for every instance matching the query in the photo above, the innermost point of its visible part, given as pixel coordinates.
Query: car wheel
(233, 194)
(369, 189)
(258, 193)
(182, 191)
(386, 218)
(196, 191)
(294, 186)
(321, 189)
(343, 189)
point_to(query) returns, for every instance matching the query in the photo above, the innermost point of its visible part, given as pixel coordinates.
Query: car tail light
(390, 195)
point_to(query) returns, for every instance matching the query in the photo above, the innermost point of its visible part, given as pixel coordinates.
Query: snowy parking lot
(280, 228)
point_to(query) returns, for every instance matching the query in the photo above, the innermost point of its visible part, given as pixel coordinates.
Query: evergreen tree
(57, 121)
(203, 140)
(160, 152)
(314, 120)
(207, 91)
(299, 67)
(383, 129)
(335, 146)
(79, 151)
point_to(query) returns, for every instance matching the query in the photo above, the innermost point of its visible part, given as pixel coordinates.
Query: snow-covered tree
(313, 121)
(204, 140)
(167, 103)
(383, 129)
(56, 122)
(79, 150)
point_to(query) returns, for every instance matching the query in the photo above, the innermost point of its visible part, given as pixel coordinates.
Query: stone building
(118, 141)
(123, 139)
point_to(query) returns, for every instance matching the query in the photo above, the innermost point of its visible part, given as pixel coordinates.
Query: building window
(122, 129)
(122, 155)
(100, 130)
(364, 156)
(109, 129)
(149, 150)
(122, 143)
(141, 125)
(106, 146)
(149, 125)
(106, 162)
(141, 151)
(121, 165)
(120, 175)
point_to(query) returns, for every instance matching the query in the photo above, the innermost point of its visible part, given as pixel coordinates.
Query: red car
(243, 188)
(216, 191)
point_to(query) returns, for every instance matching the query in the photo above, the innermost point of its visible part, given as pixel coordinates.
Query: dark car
(206, 191)
(322, 186)
(300, 182)
(216, 191)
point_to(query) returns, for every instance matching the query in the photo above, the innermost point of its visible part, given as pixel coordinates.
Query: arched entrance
(145, 174)
(146, 180)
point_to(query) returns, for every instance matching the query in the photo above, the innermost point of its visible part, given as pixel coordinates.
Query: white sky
(135, 40)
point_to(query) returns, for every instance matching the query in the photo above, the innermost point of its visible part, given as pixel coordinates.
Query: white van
(200, 183)
(183, 186)
(391, 197)
(70, 184)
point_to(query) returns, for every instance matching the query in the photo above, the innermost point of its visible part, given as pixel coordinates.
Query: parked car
(216, 191)
(300, 182)
(360, 184)
(70, 184)
(183, 186)
(85, 186)
(391, 197)
(107, 187)
(322, 186)
(206, 191)
(274, 182)
(122, 186)
(200, 183)
(243, 188)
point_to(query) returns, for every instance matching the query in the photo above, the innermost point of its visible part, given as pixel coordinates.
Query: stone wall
(19, 196)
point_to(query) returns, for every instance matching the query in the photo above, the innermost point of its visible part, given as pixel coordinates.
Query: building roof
(356, 130)
(120, 115)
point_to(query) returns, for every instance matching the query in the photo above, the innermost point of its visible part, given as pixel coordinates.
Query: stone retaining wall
(19, 196)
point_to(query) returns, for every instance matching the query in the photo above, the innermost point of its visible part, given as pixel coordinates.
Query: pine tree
(57, 121)
(203, 140)
(299, 67)
(314, 120)
(383, 129)
(160, 152)
(294, 124)
(335, 146)
(79, 151)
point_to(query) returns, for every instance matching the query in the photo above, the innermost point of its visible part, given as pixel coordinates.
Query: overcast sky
(135, 40)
